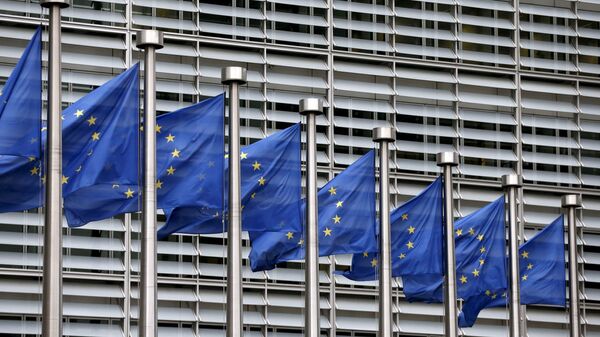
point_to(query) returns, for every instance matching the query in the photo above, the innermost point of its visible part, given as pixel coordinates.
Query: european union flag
(346, 220)
(542, 275)
(416, 234)
(480, 258)
(100, 151)
(20, 125)
(271, 190)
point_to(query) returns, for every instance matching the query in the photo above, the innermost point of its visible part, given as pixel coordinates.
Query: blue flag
(100, 151)
(480, 258)
(346, 220)
(542, 279)
(416, 233)
(20, 131)
(271, 190)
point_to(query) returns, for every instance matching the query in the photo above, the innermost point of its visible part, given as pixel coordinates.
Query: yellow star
(525, 254)
(404, 216)
(175, 153)
(129, 193)
(159, 184)
(262, 181)
(487, 292)
(64, 180)
(471, 231)
(78, 113)
(494, 296)
(170, 138)
(34, 171)
(482, 250)
(332, 191)
(43, 179)
(463, 279)
(226, 155)
(290, 235)
(524, 278)
(336, 219)
(96, 136)
(402, 256)
(91, 121)
(410, 245)
(480, 237)
(374, 263)
(365, 254)
(170, 171)
(481, 262)
(529, 266)
(256, 166)
(475, 273)
(327, 231)
(459, 232)
(339, 204)
(253, 195)
(411, 230)
(31, 158)
(300, 242)
(157, 128)
(243, 155)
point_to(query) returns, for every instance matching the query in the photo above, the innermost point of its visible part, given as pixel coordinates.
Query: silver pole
(150, 40)
(234, 77)
(511, 183)
(572, 202)
(383, 136)
(447, 160)
(311, 107)
(52, 274)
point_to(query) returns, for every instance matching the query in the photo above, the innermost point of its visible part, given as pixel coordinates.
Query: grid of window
(510, 85)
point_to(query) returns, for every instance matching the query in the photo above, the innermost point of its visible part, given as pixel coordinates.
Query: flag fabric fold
(20, 131)
(346, 220)
(270, 185)
(416, 229)
(480, 258)
(542, 275)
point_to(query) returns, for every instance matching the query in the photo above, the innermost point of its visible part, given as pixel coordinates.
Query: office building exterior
(513, 86)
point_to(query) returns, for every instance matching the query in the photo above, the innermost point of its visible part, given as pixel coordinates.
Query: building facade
(512, 86)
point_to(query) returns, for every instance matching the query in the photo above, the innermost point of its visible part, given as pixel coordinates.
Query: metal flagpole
(311, 107)
(447, 160)
(572, 202)
(511, 183)
(150, 41)
(383, 136)
(234, 77)
(52, 277)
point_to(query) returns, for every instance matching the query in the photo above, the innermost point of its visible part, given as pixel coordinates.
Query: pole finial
(59, 3)
(449, 158)
(233, 74)
(149, 38)
(310, 105)
(571, 200)
(512, 180)
(384, 134)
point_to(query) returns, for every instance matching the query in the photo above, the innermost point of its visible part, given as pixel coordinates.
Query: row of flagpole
(150, 41)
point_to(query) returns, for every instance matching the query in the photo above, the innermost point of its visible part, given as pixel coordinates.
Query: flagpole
(150, 41)
(383, 136)
(311, 107)
(572, 202)
(234, 77)
(511, 183)
(52, 273)
(447, 160)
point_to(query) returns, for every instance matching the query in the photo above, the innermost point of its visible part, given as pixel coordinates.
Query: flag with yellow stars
(416, 233)
(480, 258)
(270, 186)
(542, 275)
(346, 220)
(100, 151)
(20, 131)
